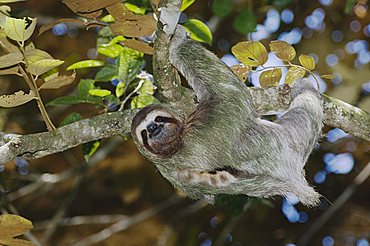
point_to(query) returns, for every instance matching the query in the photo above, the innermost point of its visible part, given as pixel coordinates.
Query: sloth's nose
(153, 129)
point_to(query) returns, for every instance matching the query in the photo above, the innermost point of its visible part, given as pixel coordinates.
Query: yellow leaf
(58, 82)
(270, 78)
(16, 99)
(12, 226)
(18, 29)
(6, 44)
(42, 66)
(283, 50)
(250, 53)
(10, 59)
(328, 76)
(241, 71)
(293, 74)
(307, 61)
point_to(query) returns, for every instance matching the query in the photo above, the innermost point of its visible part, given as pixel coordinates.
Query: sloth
(224, 147)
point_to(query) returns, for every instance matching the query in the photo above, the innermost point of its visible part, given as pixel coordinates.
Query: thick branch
(37, 145)
(273, 100)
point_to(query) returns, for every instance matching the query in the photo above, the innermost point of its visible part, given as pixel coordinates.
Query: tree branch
(267, 101)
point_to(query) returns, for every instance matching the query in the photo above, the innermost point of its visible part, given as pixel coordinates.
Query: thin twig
(338, 203)
(129, 95)
(126, 223)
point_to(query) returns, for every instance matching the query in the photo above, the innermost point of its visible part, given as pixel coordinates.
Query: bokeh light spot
(327, 241)
(287, 16)
(60, 29)
(320, 177)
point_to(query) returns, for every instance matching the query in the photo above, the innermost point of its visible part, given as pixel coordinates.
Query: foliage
(253, 54)
(12, 226)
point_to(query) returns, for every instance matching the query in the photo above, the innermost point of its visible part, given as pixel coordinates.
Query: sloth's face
(158, 131)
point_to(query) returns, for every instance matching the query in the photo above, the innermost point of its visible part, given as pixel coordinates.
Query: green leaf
(85, 64)
(39, 67)
(10, 59)
(70, 100)
(84, 86)
(18, 29)
(107, 73)
(250, 53)
(136, 9)
(73, 117)
(349, 7)
(245, 22)
(89, 149)
(111, 51)
(129, 64)
(328, 76)
(120, 89)
(186, 4)
(141, 101)
(115, 40)
(222, 8)
(99, 92)
(147, 88)
(16, 99)
(107, 19)
(198, 31)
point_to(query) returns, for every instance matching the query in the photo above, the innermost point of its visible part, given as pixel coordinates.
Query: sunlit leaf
(293, 74)
(120, 89)
(328, 76)
(136, 9)
(85, 64)
(89, 149)
(73, 117)
(245, 22)
(307, 61)
(111, 51)
(16, 99)
(186, 4)
(250, 53)
(115, 40)
(34, 55)
(241, 71)
(11, 226)
(58, 82)
(283, 50)
(222, 8)
(99, 92)
(39, 67)
(107, 19)
(147, 88)
(198, 31)
(6, 44)
(270, 78)
(141, 101)
(129, 64)
(10, 59)
(18, 29)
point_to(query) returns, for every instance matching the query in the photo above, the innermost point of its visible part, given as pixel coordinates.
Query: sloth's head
(157, 129)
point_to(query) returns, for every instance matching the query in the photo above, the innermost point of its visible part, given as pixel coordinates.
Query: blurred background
(118, 198)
